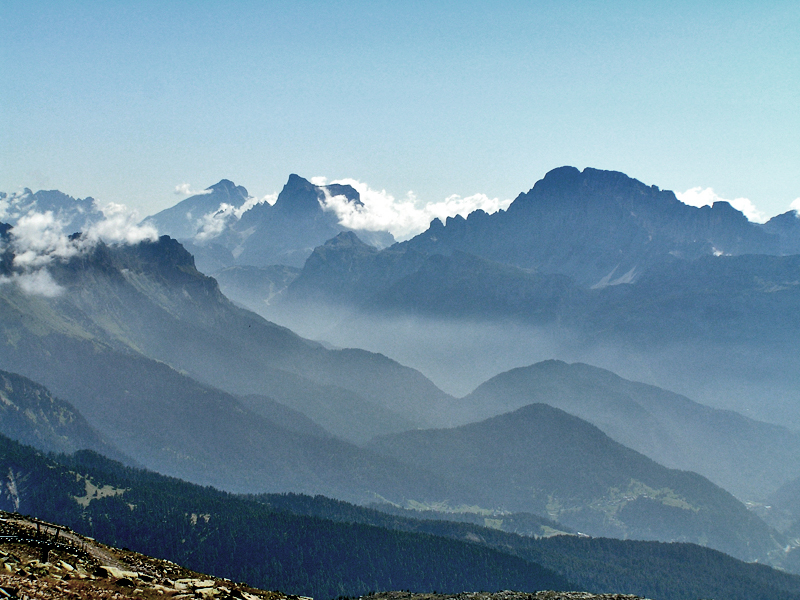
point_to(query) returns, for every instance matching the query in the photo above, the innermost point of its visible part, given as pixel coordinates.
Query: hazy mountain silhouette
(31, 415)
(746, 457)
(150, 299)
(129, 316)
(259, 234)
(588, 266)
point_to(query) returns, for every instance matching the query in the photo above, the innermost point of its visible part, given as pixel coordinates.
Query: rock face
(598, 227)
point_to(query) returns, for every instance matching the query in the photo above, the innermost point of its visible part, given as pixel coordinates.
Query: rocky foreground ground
(41, 560)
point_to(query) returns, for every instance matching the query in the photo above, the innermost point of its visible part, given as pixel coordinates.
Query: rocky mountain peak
(299, 195)
(347, 239)
(787, 227)
(348, 191)
(227, 187)
(568, 185)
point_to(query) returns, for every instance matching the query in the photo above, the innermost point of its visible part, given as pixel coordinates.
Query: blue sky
(124, 101)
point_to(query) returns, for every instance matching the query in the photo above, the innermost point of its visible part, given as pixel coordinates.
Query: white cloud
(212, 224)
(456, 205)
(38, 239)
(38, 283)
(405, 218)
(319, 180)
(185, 189)
(251, 202)
(795, 206)
(699, 196)
(120, 226)
(13, 206)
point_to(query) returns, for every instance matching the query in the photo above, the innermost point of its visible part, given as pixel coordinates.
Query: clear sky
(124, 101)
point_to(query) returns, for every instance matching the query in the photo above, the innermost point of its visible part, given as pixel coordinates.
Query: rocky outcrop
(47, 561)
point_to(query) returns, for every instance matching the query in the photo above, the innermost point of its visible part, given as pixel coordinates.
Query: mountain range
(74, 214)
(132, 315)
(588, 266)
(224, 227)
(130, 350)
(601, 228)
(128, 312)
(749, 458)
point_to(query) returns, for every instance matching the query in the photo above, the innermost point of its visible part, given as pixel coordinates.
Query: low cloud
(13, 206)
(38, 283)
(795, 206)
(38, 239)
(120, 226)
(699, 196)
(185, 189)
(251, 202)
(380, 211)
(212, 224)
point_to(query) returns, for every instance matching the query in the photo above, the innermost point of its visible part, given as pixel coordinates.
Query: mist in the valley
(456, 355)
(459, 355)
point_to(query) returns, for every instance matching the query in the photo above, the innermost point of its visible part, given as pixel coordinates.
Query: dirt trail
(95, 550)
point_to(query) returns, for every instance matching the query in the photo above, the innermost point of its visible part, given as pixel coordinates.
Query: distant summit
(598, 227)
(74, 214)
(787, 227)
(224, 227)
(592, 229)
(301, 196)
(185, 219)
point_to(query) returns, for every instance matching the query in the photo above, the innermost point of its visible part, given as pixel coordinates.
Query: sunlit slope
(542, 460)
(150, 299)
